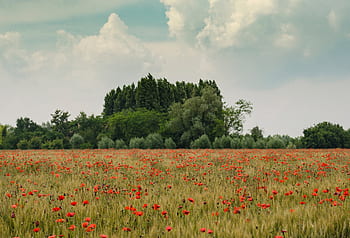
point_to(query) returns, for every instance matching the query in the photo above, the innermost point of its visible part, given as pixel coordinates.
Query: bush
(137, 143)
(53, 145)
(154, 141)
(202, 142)
(22, 144)
(76, 141)
(169, 143)
(260, 144)
(226, 142)
(236, 143)
(105, 143)
(120, 144)
(247, 142)
(34, 143)
(217, 144)
(275, 143)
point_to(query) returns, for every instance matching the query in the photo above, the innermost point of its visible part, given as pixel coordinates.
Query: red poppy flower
(72, 227)
(73, 203)
(56, 209)
(85, 224)
(126, 229)
(37, 229)
(210, 231)
(61, 197)
(85, 202)
(186, 212)
(70, 214)
(103, 236)
(202, 230)
(190, 199)
(168, 228)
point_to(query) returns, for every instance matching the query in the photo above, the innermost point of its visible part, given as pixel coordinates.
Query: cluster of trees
(157, 114)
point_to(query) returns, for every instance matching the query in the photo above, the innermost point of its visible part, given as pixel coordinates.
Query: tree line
(156, 114)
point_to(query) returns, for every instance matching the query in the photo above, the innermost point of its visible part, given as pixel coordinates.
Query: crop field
(175, 193)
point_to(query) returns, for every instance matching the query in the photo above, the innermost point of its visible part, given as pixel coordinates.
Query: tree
(256, 133)
(76, 141)
(154, 141)
(105, 143)
(139, 123)
(325, 135)
(169, 143)
(147, 95)
(202, 142)
(196, 116)
(234, 116)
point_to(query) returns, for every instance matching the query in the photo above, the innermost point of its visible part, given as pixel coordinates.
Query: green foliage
(202, 142)
(154, 141)
(217, 144)
(120, 144)
(196, 116)
(325, 135)
(76, 141)
(137, 143)
(147, 95)
(234, 116)
(23, 144)
(256, 133)
(260, 144)
(34, 143)
(53, 145)
(236, 143)
(275, 142)
(247, 142)
(105, 143)
(139, 123)
(169, 143)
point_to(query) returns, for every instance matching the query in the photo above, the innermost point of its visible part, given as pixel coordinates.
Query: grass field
(175, 193)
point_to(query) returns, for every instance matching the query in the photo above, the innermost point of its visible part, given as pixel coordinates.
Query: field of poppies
(175, 193)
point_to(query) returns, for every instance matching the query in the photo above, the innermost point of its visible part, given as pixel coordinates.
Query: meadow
(175, 193)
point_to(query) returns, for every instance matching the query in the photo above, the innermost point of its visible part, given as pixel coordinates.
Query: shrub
(202, 142)
(236, 143)
(247, 142)
(275, 143)
(137, 143)
(120, 144)
(105, 143)
(217, 144)
(260, 144)
(169, 143)
(154, 141)
(22, 144)
(76, 141)
(34, 143)
(226, 142)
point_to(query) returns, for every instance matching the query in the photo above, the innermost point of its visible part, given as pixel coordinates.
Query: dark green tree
(147, 95)
(325, 135)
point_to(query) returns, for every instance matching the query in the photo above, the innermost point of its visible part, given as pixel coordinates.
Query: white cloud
(16, 11)
(287, 38)
(227, 19)
(333, 20)
(75, 76)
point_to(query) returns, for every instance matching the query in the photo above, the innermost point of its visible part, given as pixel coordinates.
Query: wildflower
(72, 227)
(85, 224)
(202, 230)
(168, 228)
(61, 220)
(61, 197)
(210, 231)
(186, 212)
(73, 203)
(37, 229)
(103, 236)
(126, 229)
(56, 209)
(70, 214)
(191, 200)
(85, 202)
(87, 219)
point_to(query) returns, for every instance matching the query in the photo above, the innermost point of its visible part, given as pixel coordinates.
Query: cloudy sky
(290, 58)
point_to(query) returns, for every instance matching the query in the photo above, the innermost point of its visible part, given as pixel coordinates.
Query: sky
(290, 58)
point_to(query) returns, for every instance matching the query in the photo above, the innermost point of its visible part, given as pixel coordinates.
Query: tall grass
(200, 193)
